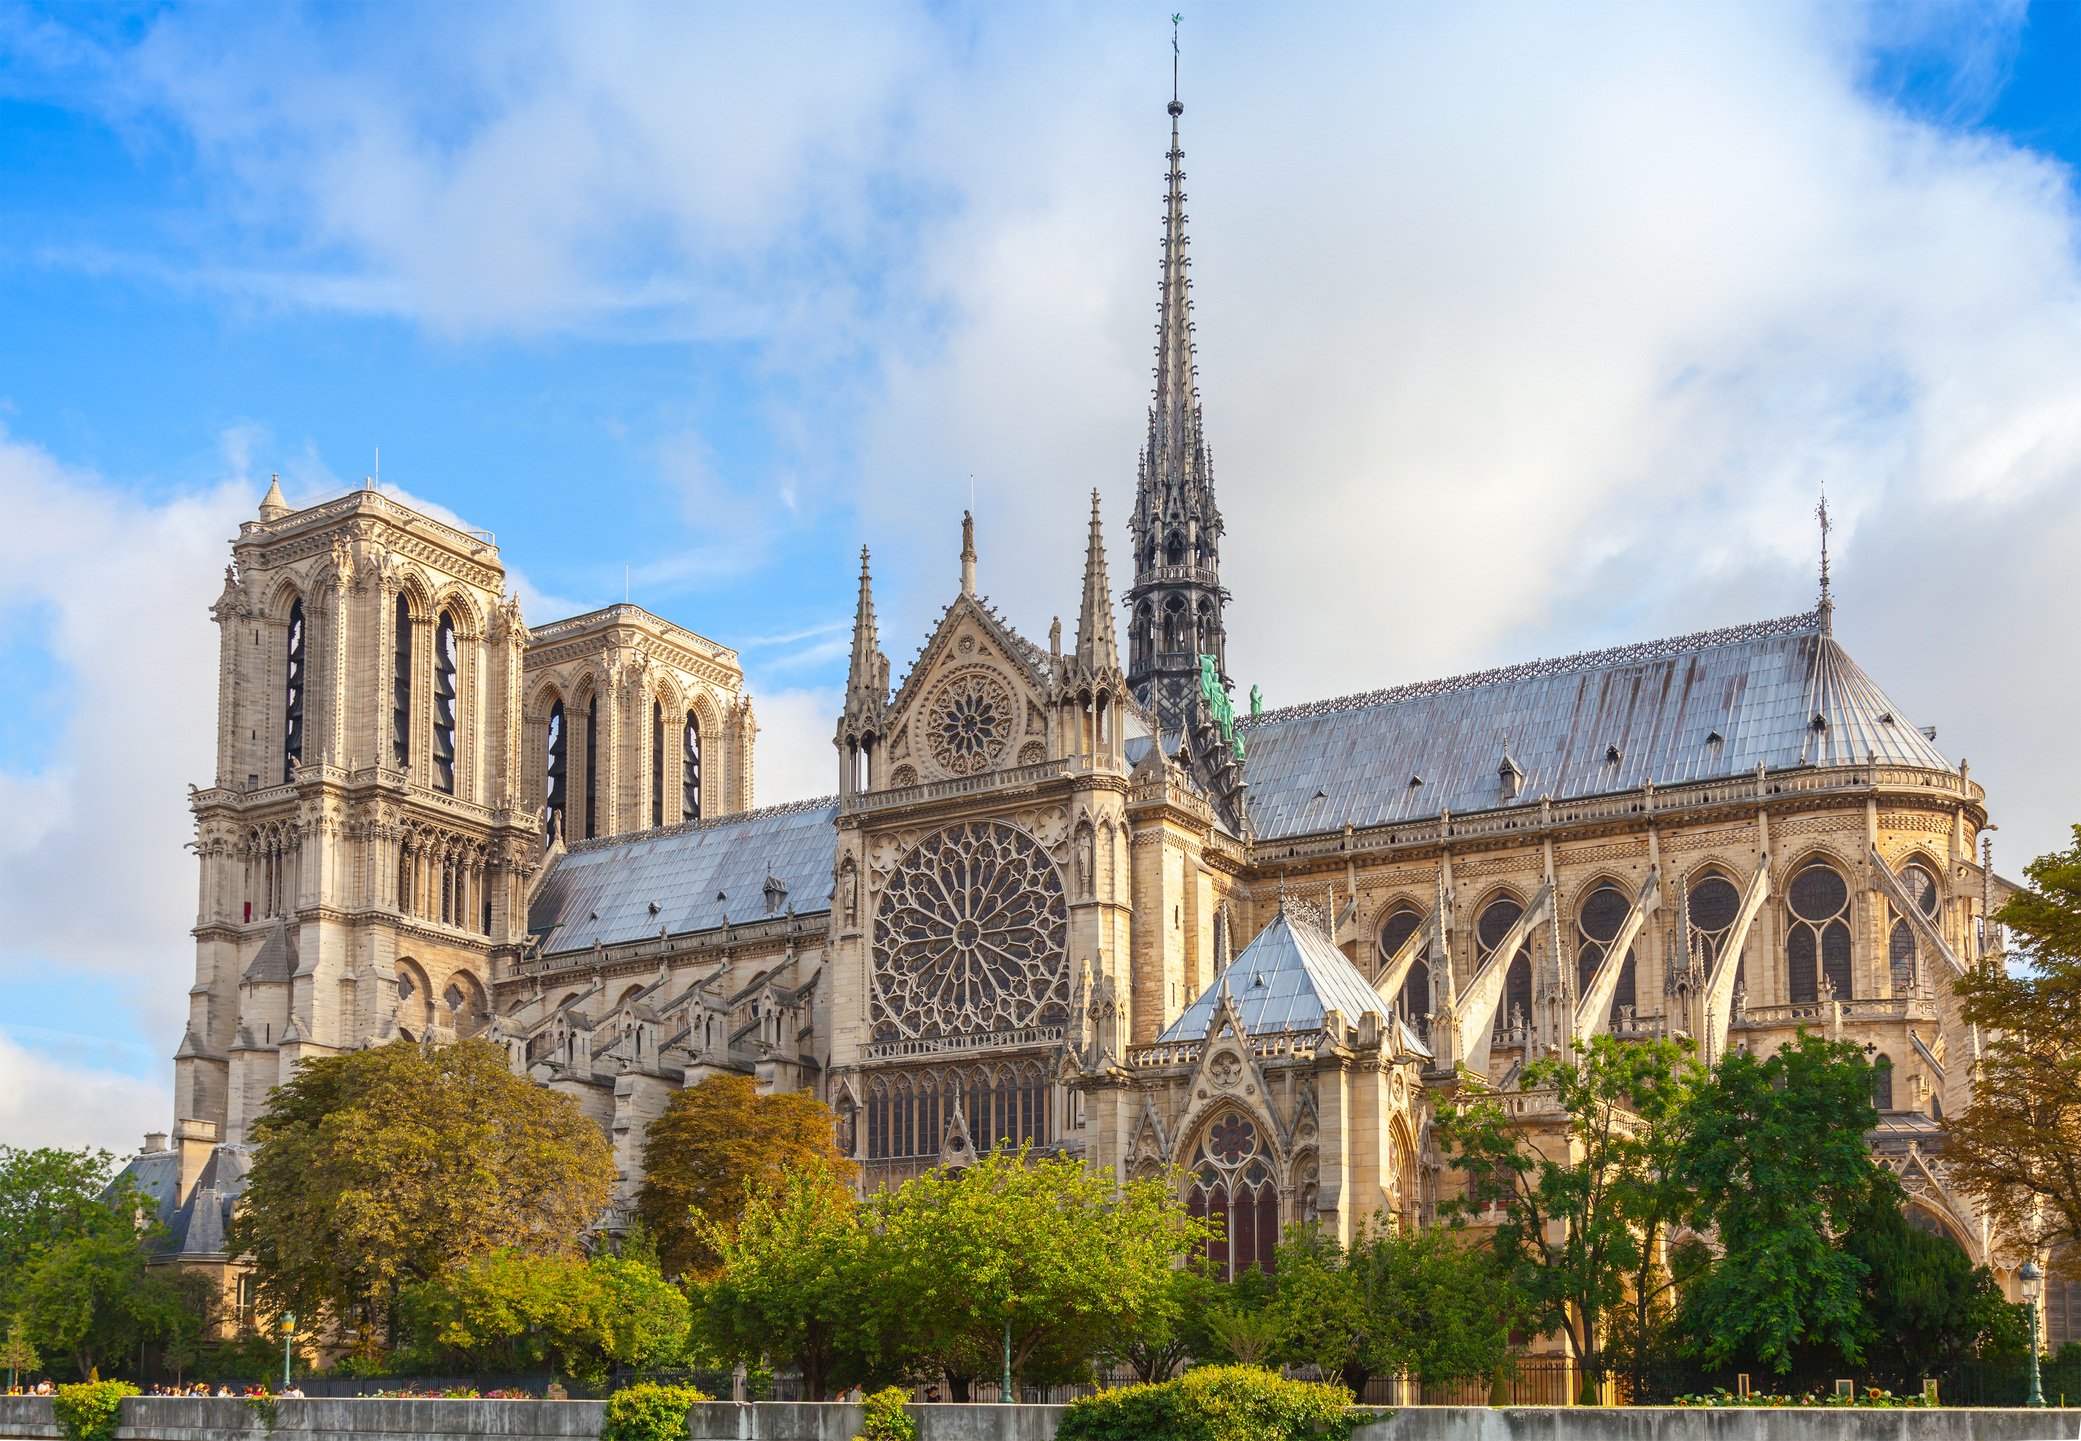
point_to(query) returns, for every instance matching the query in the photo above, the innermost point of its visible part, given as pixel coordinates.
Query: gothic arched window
(1489, 933)
(444, 703)
(1232, 1188)
(592, 765)
(1900, 956)
(1173, 620)
(657, 763)
(559, 764)
(401, 685)
(1882, 1082)
(1713, 905)
(1413, 1001)
(690, 768)
(1597, 925)
(292, 700)
(1817, 942)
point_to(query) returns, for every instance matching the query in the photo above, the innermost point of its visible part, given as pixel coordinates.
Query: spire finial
(968, 552)
(1177, 107)
(1826, 609)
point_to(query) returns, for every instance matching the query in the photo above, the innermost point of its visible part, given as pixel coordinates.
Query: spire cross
(1176, 20)
(1827, 606)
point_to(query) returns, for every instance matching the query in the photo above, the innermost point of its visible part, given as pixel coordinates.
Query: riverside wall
(147, 1418)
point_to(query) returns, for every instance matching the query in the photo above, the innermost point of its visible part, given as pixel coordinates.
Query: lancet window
(559, 765)
(1232, 1189)
(445, 656)
(1882, 1082)
(592, 765)
(1413, 1001)
(401, 685)
(690, 768)
(1713, 905)
(293, 695)
(1817, 938)
(908, 1114)
(657, 763)
(1597, 925)
(1515, 1011)
(442, 877)
(1902, 950)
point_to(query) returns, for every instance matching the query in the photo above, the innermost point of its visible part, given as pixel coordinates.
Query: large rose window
(968, 723)
(970, 938)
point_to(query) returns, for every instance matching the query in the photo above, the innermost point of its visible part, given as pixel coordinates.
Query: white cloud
(48, 1101)
(793, 759)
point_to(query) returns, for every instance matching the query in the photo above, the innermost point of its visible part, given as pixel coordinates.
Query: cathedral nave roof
(687, 878)
(1780, 694)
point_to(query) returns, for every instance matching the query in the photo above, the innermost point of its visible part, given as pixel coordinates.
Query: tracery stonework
(970, 938)
(969, 722)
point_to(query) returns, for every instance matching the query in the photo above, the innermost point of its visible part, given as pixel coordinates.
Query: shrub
(1214, 1403)
(886, 1418)
(649, 1412)
(89, 1410)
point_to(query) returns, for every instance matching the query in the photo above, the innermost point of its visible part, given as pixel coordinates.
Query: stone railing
(1282, 1045)
(1822, 1013)
(1016, 778)
(955, 1045)
(358, 501)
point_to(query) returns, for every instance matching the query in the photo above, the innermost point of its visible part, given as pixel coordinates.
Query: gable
(975, 702)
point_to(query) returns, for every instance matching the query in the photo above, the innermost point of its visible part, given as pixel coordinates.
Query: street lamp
(2032, 1282)
(1004, 1393)
(288, 1333)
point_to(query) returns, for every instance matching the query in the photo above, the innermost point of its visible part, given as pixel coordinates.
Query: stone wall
(28, 1418)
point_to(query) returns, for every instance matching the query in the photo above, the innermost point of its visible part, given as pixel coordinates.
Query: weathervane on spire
(1177, 107)
(1827, 606)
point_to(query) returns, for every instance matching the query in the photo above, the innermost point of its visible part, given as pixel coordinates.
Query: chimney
(155, 1143)
(195, 1140)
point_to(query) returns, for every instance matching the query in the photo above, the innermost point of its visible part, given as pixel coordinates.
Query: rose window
(970, 938)
(969, 723)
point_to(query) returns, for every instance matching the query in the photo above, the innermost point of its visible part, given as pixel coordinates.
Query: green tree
(93, 1300)
(50, 1196)
(378, 1169)
(1322, 1310)
(717, 1142)
(1045, 1250)
(790, 1282)
(1581, 1211)
(2014, 1145)
(16, 1353)
(1445, 1306)
(1777, 1162)
(1932, 1307)
(1169, 1329)
(513, 1312)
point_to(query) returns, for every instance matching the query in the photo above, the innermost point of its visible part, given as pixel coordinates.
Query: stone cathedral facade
(1066, 893)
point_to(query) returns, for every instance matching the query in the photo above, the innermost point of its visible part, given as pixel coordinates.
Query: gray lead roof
(1407, 753)
(1287, 979)
(695, 875)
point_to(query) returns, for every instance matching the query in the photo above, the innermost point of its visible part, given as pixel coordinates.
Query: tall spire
(867, 679)
(1096, 646)
(1176, 602)
(1826, 609)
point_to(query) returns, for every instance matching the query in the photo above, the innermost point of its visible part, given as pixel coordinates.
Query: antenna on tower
(1826, 610)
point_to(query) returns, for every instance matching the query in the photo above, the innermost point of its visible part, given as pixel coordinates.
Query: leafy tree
(2014, 1146)
(1580, 1215)
(1445, 1307)
(1244, 1337)
(512, 1312)
(790, 1280)
(16, 1354)
(380, 1168)
(1322, 1310)
(1171, 1328)
(1923, 1295)
(93, 1300)
(715, 1142)
(1046, 1250)
(1777, 1162)
(49, 1196)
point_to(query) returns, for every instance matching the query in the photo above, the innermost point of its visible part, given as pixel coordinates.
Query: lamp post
(288, 1333)
(2032, 1281)
(1004, 1392)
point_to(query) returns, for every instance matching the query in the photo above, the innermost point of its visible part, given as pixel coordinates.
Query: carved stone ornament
(1225, 1070)
(970, 938)
(969, 720)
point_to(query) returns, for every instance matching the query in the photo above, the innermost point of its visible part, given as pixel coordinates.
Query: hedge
(1214, 1403)
(649, 1412)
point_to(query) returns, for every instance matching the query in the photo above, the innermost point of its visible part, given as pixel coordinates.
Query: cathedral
(1068, 893)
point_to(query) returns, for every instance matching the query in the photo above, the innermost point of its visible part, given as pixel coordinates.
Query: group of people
(198, 1388)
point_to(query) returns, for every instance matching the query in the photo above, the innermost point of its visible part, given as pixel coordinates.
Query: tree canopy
(381, 1168)
(715, 1142)
(2015, 1146)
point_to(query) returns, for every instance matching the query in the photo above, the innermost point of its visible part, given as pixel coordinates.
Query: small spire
(1826, 609)
(1097, 646)
(864, 689)
(273, 506)
(967, 552)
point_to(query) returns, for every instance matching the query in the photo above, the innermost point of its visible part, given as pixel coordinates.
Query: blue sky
(1523, 329)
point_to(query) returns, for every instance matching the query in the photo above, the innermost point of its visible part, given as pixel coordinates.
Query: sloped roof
(1758, 688)
(1287, 979)
(195, 1229)
(695, 874)
(275, 961)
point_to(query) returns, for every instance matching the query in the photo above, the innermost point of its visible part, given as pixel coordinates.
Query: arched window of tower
(401, 686)
(444, 703)
(558, 763)
(293, 695)
(657, 763)
(690, 768)
(592, 765)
